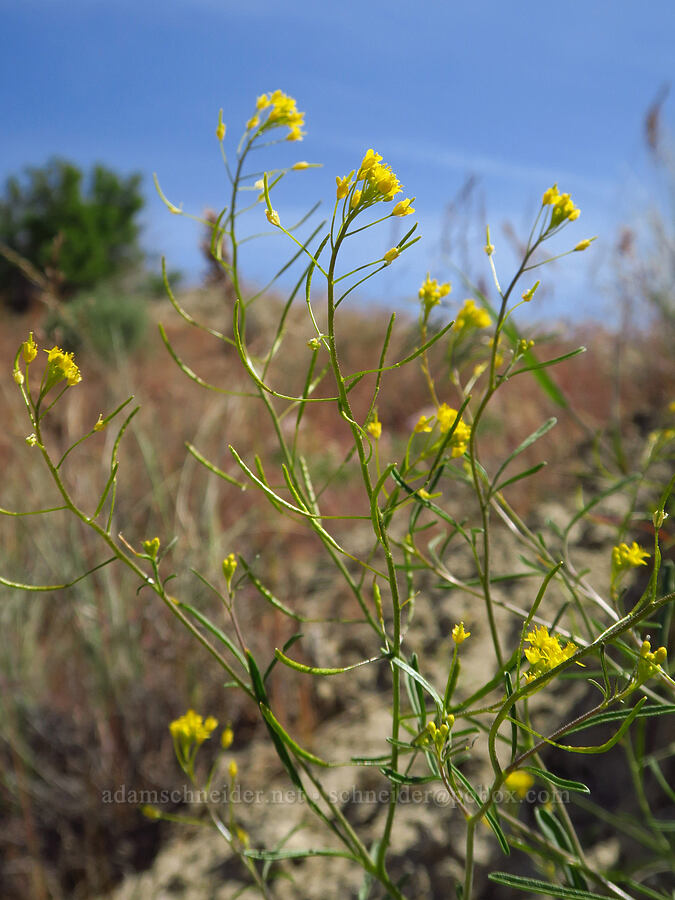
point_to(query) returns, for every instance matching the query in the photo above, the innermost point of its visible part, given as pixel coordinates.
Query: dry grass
(90, 677)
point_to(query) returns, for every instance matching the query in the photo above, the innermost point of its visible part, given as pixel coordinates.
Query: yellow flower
(649, 662)
(459, 635)
(29, 349)
(519, 782)
(550, 196)
(232, 769)
(471, 316)
(356, 199)
(343, 185)
(374, 427)
(192, 729)
(252, 123)
(369, 160)
(422, 425)
(282, 111)
(229, 568)
(584, 245)
(60, 366)
(18, 376)
(220, 130)
(462, 434)
(100, 424)
(383, 179)
(391, 255)
(403, 208)
(625, 557)
(300, 165)
(151, 547)
(226, 738)
(563, 209)
(431, 292)
(545, 651)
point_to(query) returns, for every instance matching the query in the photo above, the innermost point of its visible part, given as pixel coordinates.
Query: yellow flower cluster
(432, 292)
(471, 316)
(151, 547)
(439, 734)
(60, 365)
(192, 728)
(625, 557)
(461, 436)
(378, 182)
(563, 207)
(545, 651)
(282, 111)
(379, 177)
(650, 661)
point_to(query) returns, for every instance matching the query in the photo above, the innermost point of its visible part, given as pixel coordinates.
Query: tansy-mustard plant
(420, 512)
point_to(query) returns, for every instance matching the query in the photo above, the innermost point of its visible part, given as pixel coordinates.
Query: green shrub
(78, 229)
(106, 320)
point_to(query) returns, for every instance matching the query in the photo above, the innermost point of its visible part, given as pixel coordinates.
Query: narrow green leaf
(554, 831)
(400, 778)
(536, 367)
(599, 748)
(491, 815)
(295, 854)
(529, 440)
(438, 700)
(416, 694)
(536, 886)
(261, 696)
(268, 595)
(565, 783)
(519, 477)
(619, 714)
(215, 631)
(274, 723)
(213, 468)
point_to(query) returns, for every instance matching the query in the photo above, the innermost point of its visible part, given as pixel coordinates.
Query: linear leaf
(529, 440)
(537, 886)
(490, 815)
(294, 854)
(438, 700)
(565, 783)
(274, 723)
(215, 631)
(400, 778)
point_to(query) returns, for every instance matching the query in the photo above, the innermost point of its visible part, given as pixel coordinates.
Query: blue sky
(518, 95)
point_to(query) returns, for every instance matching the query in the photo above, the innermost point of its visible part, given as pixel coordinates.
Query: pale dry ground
(429, 835)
